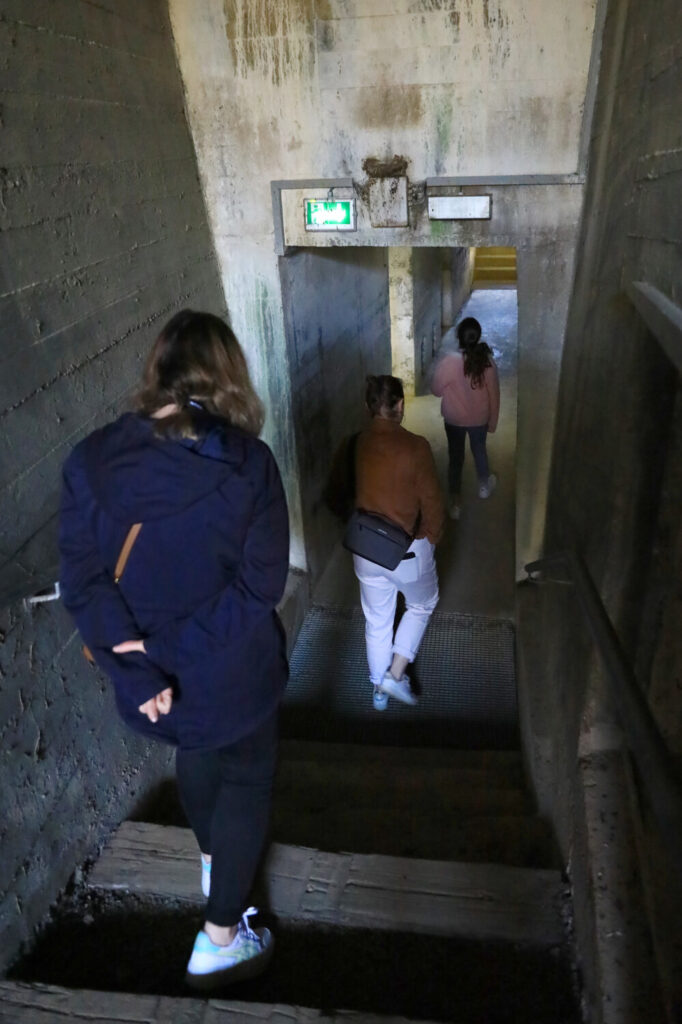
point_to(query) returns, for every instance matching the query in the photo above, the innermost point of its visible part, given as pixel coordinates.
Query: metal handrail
(659, 775)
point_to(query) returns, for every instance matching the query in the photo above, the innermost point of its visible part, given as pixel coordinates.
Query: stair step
(494, 274)
(408, 802)
(495, 250)
(472, 901)
(486, 259)
(507, 765)
(320, 785)
(515, 840)
(22, 1003)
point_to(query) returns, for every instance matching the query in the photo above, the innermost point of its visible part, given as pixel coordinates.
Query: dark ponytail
(477, 355)
(383, 393)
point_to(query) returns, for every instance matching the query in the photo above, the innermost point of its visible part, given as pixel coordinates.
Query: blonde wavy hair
(197, 358)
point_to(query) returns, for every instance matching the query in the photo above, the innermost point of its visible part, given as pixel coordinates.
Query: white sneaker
(398, 688)
(379, 699)
(454, 510)
(485, 490)
(205, 876)
(211, 966)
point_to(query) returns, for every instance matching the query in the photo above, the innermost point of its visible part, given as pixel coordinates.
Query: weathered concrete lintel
(524, 216)
(662, 316)
(288, 237)
(508, 179)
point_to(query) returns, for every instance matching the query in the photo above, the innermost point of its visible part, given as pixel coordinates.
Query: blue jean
(477, 439)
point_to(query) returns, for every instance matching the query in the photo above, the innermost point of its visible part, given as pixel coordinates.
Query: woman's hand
(129, 645)
(159, 705)
(155, 706)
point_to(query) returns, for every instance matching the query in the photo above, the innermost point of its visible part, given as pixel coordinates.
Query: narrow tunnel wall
(427, 280)
(616, 429)
(337, 319)
(614, 487)
(104, 236)
(461, 277)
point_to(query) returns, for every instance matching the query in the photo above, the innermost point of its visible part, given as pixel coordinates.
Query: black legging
(226, 795)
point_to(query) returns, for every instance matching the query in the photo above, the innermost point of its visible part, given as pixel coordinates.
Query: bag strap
(125, 550)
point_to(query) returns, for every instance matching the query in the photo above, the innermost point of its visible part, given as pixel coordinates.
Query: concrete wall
(311, 88)
(402, 315)
(70, 772)
(427, 282)
(104, 237)
(336, 312)
(104, 233)
(614, 486)
(461, 267)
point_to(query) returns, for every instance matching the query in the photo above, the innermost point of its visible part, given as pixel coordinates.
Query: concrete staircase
(495, 264)
(401, 884)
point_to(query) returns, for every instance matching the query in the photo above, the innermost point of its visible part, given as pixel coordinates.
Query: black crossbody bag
(371, 535)
(377, 539)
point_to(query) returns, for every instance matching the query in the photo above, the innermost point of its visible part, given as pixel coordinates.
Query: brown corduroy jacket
(396, 477)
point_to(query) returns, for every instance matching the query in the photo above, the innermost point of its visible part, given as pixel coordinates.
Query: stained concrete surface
(476, 555)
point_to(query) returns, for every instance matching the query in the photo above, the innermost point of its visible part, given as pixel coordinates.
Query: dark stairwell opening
(451, 872)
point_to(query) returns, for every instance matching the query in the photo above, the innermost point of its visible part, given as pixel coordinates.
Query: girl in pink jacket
(468, 385)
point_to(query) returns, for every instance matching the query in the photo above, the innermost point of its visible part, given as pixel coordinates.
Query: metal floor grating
(464, 674)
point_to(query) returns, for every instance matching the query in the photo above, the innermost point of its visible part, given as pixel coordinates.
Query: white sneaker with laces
(211, 966)
(205, 876)
(485, 490)
(398, 688)
(379, 699)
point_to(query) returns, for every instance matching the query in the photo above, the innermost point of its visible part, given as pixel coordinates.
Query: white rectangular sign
(459, 207)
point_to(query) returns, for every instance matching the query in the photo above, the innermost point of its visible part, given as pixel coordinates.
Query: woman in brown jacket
(395, 476)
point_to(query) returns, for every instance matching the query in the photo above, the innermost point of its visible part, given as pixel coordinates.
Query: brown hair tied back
(382, 395)
(477, 355)
(197, 357)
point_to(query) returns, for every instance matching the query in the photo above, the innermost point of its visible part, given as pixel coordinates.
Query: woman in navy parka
(190, 636)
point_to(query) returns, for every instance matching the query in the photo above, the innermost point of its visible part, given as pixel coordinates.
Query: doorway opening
(350, 311)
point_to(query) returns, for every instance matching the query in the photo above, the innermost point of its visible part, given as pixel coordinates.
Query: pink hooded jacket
(462, 404)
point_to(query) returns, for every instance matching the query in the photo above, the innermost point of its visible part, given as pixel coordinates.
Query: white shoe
(212, 966)
(379, 699)
(398, 688)
(485, 490)
(205, 876)
(454, 510)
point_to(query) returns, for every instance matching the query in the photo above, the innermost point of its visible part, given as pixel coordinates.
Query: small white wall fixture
(459, 208)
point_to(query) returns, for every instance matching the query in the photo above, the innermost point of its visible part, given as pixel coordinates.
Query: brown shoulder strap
(125, 550)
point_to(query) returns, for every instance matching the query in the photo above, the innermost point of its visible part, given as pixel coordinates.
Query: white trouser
(417, 579)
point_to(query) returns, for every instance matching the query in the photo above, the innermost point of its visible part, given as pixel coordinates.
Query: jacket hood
(138, 477)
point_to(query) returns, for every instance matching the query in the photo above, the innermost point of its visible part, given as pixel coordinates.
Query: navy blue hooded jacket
(201, 583)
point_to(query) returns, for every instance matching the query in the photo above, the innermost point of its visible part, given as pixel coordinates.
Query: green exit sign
(329, 215)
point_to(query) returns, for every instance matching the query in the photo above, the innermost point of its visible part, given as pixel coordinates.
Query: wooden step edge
(27, 1003)
(471, 760)
(300, 884)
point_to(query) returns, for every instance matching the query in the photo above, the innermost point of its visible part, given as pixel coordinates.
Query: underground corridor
(343, 183)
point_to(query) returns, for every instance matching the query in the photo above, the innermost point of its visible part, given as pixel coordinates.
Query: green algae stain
(443, 135)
